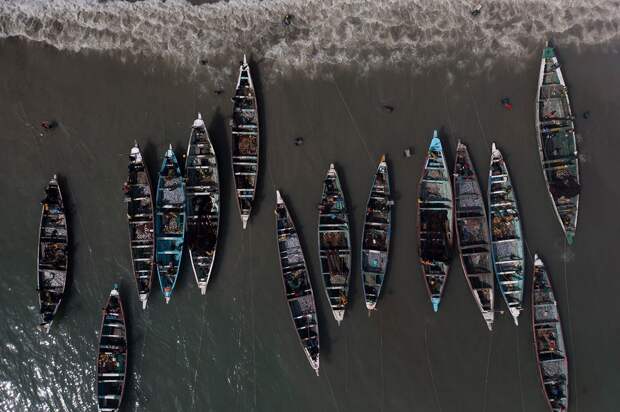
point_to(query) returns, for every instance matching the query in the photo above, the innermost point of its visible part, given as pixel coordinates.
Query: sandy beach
(235, 348)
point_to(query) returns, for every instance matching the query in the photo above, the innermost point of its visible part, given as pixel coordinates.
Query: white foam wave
(367, 34)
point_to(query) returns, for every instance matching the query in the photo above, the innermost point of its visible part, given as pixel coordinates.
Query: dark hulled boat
(169, 223)
(297, 286)
(376, 235)
(139, 199)
(202, 191)
(334, 244)
(472, 233)
(506, 234)
(548, 340)
(557, 145)
(245, 141)
(435, 221)
(53, 254)
(112, 355)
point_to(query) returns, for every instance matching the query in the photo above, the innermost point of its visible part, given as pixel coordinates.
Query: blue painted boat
(376, 236)
(506, 234)
(435, 222)
(169, 223)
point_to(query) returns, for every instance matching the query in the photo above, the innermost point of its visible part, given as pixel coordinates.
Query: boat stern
(515, 312)
(570, 237)
(45, 327)
(338, 315)
(203, 288)
(144, 299)
(435, 302)
(244, 220)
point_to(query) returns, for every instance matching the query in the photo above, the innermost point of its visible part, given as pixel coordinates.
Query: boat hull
(112, 355)
(472, 233)
(506, 234)
(298, 290)
(551, 357)
(245, 134)
(435, 221)
(141, 222)
(52, 255)
(202, 191)
(170, 223)
(376, 236)
(334, 243)
(557, 144)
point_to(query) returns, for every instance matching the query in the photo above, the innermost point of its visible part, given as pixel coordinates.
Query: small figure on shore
(476, 10)
(49, 124)
(299, 141)
(388, 108)
(586, 114)
(506, 103)
(287, 20)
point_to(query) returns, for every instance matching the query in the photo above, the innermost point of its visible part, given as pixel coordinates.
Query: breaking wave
(415, 34)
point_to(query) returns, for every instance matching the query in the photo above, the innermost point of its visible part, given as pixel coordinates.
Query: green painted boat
(555, 128)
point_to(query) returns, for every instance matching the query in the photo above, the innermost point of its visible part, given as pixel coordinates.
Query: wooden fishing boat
(112, 358)
(472, 233)
(376, 235)
(297, 286)
(557, 144)
(202, 191)
(549, 340)
(435, 221)
(334, 244)
(139, 199)
(53, 254)
(169, 223)
(245, 141)
(506, 234)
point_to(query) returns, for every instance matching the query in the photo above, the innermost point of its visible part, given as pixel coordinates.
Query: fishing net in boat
(51, 279)
(434, 174)
(506, 251)
(173, 195)
(172, 223)
(504, 226)
(247, 145)
(144, 232)
(430, 192)
(305, 305)
(471, 231)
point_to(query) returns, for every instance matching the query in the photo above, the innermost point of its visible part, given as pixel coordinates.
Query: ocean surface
(111, 72)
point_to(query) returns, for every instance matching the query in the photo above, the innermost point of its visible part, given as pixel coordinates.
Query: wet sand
(235, 349)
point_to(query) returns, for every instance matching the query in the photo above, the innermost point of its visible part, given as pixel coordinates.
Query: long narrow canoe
(334, 244)
(506, 234)
(245, 141)
(112, 358)
(53, 254)
(549, 340)
(472, 232)
(557, 145)
(139, 199)
(203, 203)
(435, 221)
(169, 223)
(376, 235)
(297, 286)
